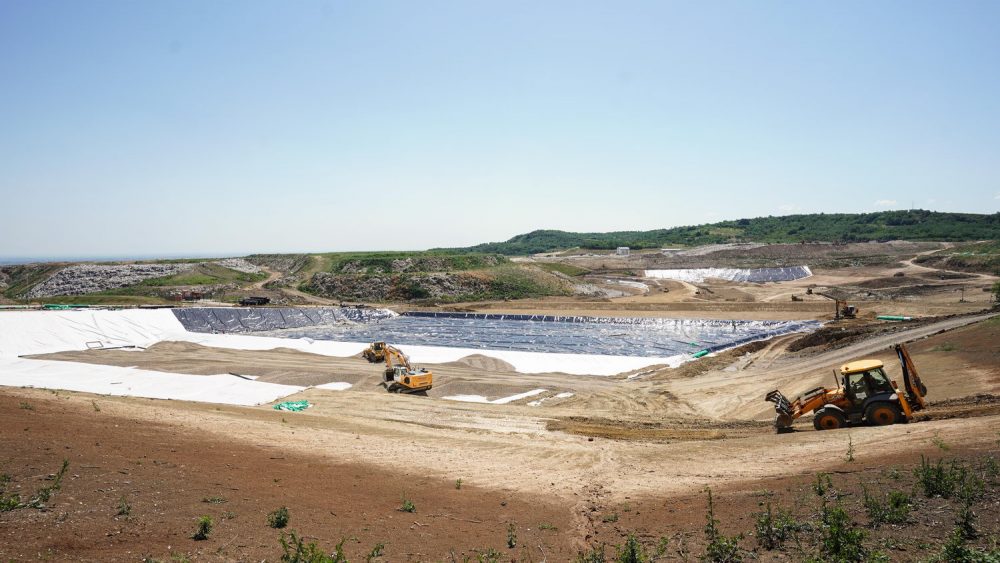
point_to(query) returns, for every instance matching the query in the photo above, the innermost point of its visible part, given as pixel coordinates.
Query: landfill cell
(609, 336)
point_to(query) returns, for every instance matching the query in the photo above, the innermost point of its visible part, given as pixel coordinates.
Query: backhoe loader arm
(915, 389)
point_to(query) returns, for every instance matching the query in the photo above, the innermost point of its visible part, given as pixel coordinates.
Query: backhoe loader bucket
(781, 404)
(783, 420)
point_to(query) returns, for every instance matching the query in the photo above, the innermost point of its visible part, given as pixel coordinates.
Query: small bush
(458, 483)
(955, 551)
(204, 528)
(720, 548)
(295, 550)
(595, 555)
(936, 479)
(278, 519)
(823, 484)
(772, 529)
(965, 521)
(26, 406)
(511, 535)
(407, 505)
(43, 495)
(893, 509)
(213, 500)
(631, 551)
(8, 503)
(124, 508)
(489, 555)
(609, 518)
(376, 551)
(840, 540)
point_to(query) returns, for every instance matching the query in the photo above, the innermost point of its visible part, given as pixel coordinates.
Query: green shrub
(595, 555)
(823, 484)
(965, 521)
(936, 479)
(720, 548)
(840, 539)
(376, 551)
(43, 495)
(893, 509)
(407, 505)
(631, 551)
(511, 535)
(124, 508)
(295, 550)
(278, 519)
(772, 529)
(204, 528)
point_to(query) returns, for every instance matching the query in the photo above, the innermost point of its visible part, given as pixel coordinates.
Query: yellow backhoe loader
(400, 376)
(864, 395)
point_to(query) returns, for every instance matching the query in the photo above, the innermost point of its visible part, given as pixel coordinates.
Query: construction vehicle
(399, 376)
(864, 395)
(841, 309)
(375, 353)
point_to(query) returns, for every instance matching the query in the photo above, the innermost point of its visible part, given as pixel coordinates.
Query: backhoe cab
(865, 395)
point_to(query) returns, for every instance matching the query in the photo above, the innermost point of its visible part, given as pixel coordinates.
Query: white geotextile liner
(500, 401)
(23, 333)
(118, 381)
(754, 275)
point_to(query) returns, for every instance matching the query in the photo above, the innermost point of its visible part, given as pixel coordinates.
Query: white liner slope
(40, 332)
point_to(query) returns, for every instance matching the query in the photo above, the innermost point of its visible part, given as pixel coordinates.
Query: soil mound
(481, 362)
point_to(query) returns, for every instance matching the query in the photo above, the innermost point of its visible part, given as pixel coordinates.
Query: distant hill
(916, 225)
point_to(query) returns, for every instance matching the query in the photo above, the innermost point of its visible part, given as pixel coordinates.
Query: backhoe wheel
(829, 420)
(882, 414)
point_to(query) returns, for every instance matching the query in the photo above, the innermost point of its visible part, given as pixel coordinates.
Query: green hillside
(917, 225)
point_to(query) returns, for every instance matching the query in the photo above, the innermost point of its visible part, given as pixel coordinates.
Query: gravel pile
(88, 278)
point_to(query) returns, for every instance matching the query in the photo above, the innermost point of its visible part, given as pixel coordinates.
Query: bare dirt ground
(621, 455)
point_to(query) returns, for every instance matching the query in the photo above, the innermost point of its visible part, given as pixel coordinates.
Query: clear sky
(212, 127)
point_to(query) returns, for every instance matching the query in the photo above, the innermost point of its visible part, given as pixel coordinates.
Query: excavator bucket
(915, 389)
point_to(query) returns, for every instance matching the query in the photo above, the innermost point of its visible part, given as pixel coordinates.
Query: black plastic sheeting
(249, 319)
(647, 337)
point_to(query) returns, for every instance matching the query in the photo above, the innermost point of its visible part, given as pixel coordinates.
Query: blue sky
(210, 127)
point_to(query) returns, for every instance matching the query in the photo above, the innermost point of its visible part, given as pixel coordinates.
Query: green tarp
(294, 406)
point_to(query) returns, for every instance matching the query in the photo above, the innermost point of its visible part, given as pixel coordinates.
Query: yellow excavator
(400, 376)
(864, 395)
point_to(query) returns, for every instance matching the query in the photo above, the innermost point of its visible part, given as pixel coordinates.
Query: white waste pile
(754, 275)
(25, 333)
(89, 278)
